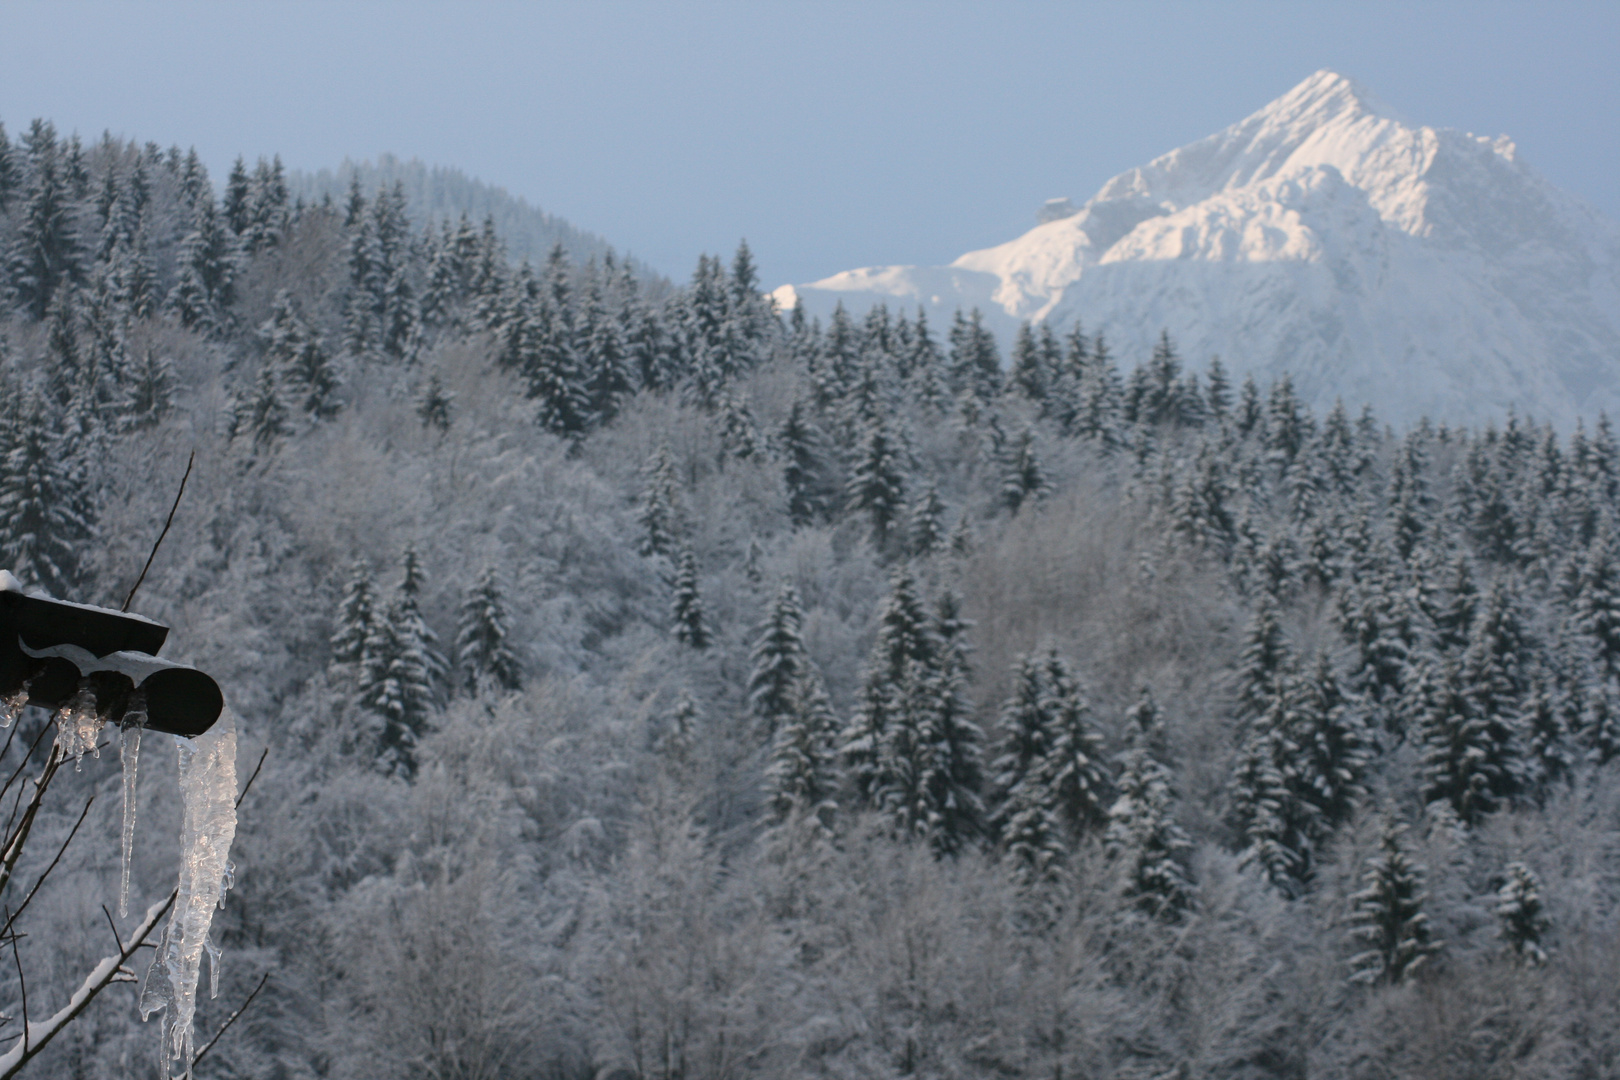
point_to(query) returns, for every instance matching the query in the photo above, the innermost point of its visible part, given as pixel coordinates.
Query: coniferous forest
(656, 684)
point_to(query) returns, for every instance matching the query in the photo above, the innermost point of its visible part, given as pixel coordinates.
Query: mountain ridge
(1426, 270)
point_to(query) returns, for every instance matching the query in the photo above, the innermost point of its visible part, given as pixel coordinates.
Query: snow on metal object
(98, 664)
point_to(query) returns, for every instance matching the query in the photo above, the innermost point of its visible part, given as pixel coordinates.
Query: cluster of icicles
(208, 795)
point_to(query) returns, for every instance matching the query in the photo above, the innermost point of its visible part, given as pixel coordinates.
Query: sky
(830, 135)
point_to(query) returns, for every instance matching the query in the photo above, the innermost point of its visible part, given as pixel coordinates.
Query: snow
(1423, 270)
(208, 791)
(137, 665)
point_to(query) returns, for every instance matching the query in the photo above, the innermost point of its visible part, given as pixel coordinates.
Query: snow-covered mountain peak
(1425, 269)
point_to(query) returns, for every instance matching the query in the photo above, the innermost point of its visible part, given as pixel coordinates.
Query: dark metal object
(56, 648)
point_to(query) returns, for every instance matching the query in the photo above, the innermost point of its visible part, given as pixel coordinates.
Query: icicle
(213, 966)
(208, 790)
(12, 706)
(77, 726)
(129, 755)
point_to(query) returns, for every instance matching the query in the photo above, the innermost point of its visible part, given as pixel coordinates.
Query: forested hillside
(439, 193)
(672, 687)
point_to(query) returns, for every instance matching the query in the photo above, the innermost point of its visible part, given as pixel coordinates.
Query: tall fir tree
(46, 508)
(687, 605)
(484, 655)
(1520, 913)
(357, 617)
(1387, 916)
(45, 253)
(877, 483)
(1142, 832)
(801, 780)
(804, 466)
(780, 663)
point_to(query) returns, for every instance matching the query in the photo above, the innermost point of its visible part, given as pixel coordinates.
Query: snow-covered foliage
(716, 690)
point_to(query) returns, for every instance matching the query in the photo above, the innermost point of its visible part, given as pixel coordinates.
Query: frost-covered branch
(36, 1036)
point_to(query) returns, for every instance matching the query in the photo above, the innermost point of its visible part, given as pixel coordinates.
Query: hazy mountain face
(1425, 271)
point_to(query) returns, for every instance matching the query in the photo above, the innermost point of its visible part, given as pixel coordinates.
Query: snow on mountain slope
(1427, 271)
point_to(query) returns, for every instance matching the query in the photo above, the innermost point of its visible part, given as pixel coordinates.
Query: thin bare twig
(22, 987)
(12, 917)
(23, 764)
(131, 597)
(252, 778)
(231, 1019)
(11, 733)
(118, 940)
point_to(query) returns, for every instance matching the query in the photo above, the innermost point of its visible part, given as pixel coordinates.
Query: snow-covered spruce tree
(296, 350)
(1073, 772)
(1023, 479)
(357, 617)
(686, 609)
(1142, 832)
(804, 467)
(951, 778)
(1597, 604)
(46, 512)
(1334, 747)
(1548, 754)
(609, 378)
(45, 251)
(260, 415)
(434, 405)
(1381, 627)
(1471, 761)
(1268, 809)
(1600, 729)
(899, 790)
(554, 372)
(927, 529)
(1387, 916)
(1029, 375)
(660, 511)
(404, 671)
(1521, 914)
(877, 482)
(484, 657)
(904, 637)
(1264, 665)
(801, 781)
(1453, 613)
(779, 661)
(205, 288)
(1025, 737)
(738, 433)
(151, 390)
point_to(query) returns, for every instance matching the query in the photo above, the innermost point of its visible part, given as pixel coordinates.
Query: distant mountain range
(435, 192)
(1427, 271)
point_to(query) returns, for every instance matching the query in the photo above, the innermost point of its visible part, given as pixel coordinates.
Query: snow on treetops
(93, 667)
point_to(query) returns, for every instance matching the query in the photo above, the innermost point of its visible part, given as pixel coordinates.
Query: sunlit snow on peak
(1419, 268)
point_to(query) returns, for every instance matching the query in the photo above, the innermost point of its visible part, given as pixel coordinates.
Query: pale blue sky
(831, 135)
